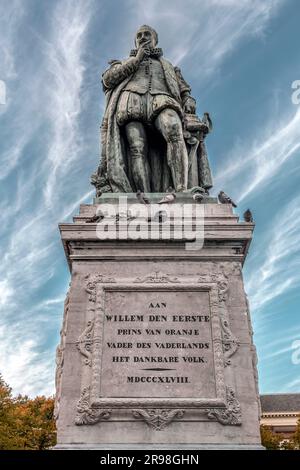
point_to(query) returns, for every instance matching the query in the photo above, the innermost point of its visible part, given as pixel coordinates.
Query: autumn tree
(296, 436)
(269, 439)
(8, 438)
(25, 423)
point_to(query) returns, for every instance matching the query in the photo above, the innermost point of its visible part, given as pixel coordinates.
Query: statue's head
(144, 34)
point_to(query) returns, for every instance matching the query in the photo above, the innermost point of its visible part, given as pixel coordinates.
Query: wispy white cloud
(15, 126)
(50, 302)
(204, 33)
(26, 354)
(290, 334)
(11, 14)
(66, 70)
(6, 292)
(30, 254)
(73, 207)
(279, 352)
(291, 386)
(60, 109)
(279, 270)
(263, 159)
(27, 369)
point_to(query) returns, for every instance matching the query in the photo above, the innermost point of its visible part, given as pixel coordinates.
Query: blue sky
(240, 57)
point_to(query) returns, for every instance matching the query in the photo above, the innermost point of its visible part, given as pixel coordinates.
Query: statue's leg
(138, 149)
(169, 124)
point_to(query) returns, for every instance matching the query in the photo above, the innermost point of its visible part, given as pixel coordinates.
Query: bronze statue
(151, 138)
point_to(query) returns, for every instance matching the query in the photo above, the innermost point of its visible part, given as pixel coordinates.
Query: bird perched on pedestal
(248, 217)
(169, 197)
(142, 198)
(160, 217)
(225, 199)
(122, 216)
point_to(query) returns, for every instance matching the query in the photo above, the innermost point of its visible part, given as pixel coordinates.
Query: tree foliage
(276, 441)
(269, 439)
(296, 436)
(25, 423)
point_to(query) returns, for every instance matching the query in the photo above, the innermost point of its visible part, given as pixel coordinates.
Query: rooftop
(280, 402)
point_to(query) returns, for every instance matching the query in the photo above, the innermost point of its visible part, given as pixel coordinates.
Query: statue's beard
(153, 52)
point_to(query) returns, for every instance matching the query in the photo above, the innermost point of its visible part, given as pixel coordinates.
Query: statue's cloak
(114, 172)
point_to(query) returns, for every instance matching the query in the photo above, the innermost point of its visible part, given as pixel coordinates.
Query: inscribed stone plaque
(157, 343)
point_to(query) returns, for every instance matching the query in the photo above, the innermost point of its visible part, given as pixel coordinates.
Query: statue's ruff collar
(155, 52)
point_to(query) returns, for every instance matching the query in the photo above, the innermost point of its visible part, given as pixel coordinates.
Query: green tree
(269, 439)
(287, 444)
(296, 436)
(272, 441)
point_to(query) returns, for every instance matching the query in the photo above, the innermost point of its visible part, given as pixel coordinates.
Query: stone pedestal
(156, 345)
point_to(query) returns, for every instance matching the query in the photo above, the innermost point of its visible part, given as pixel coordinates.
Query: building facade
(280, 412)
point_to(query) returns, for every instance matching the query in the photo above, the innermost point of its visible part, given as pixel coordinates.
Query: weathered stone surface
(132, 280)
(152, 349)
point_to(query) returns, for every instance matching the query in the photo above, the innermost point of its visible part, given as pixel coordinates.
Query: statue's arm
(118, 71)
(189, 103)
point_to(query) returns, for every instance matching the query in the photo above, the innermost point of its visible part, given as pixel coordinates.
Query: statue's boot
(138, 154)
(177, 158)
(140, 171)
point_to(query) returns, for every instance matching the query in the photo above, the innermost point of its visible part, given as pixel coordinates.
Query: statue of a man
(151, 139)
